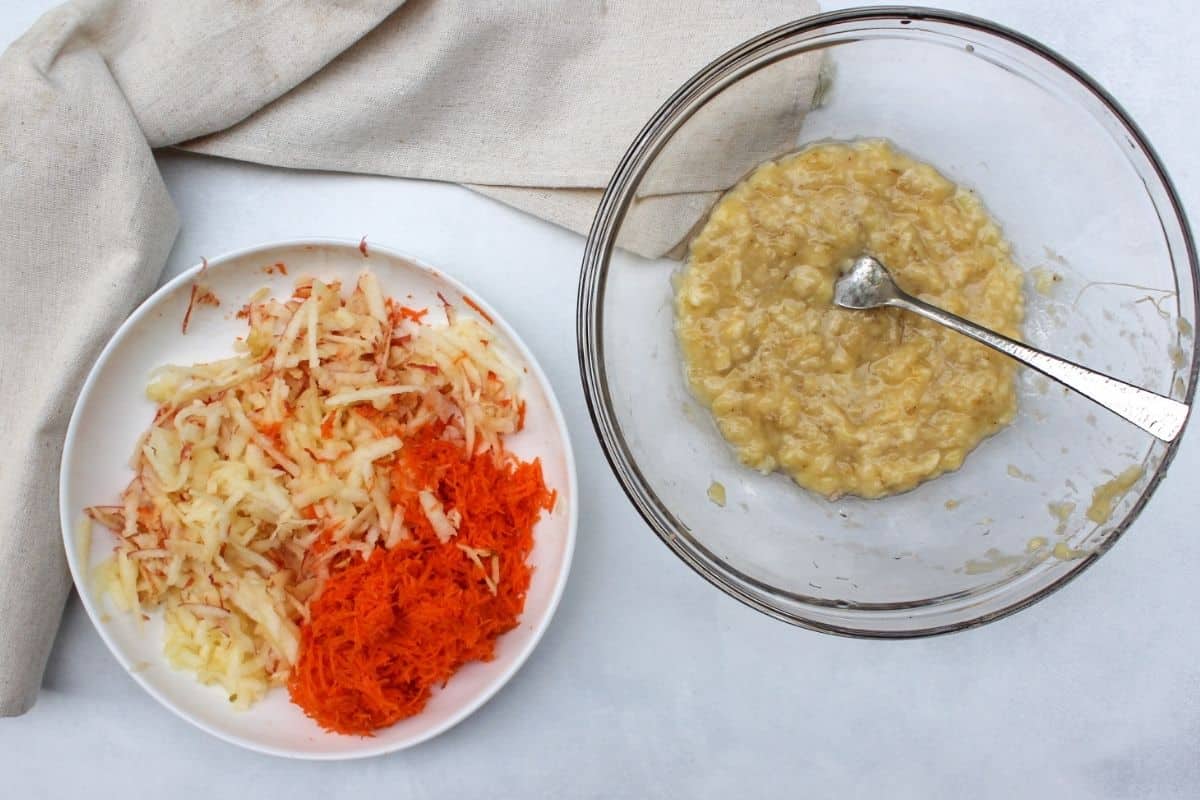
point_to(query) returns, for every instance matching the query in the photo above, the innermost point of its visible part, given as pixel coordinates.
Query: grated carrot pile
(387, 629)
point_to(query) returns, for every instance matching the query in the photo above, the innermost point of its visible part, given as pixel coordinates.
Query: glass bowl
(1111, 282)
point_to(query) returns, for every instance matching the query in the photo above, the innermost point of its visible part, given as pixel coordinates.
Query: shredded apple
(334, 508)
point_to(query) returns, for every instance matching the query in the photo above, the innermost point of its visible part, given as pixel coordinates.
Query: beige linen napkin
(530, 101)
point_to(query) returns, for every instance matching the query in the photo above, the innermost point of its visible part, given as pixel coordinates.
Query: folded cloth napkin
(529, 101)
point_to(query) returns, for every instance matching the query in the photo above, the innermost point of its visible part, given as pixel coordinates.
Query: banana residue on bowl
(1106, 495)
(1061, 511)
(1045, 280)
(868, 403)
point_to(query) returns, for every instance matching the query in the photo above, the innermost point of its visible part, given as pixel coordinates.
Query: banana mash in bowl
(863, 403)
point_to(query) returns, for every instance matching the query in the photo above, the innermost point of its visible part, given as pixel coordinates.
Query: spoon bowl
(867, 284)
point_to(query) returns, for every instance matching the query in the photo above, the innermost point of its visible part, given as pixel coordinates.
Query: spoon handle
(1153, 413)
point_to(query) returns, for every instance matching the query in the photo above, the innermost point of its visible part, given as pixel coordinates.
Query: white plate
(112, 410)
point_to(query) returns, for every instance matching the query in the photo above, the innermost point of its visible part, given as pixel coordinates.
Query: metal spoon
(868, 284)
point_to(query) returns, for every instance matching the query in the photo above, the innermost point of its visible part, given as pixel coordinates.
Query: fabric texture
(531, 102)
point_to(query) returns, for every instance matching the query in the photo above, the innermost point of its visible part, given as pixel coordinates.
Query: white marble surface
(650, 683)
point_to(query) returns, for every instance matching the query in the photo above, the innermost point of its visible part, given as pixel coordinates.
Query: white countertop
(650, 683)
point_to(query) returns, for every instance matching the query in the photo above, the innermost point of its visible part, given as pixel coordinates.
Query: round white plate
(112, 410)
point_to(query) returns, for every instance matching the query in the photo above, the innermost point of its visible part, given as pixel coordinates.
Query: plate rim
(68, 518)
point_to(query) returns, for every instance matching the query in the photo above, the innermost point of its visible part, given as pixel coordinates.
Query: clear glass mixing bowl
(1112, 283)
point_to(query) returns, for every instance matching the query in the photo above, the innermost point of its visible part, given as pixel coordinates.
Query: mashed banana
(848, 402)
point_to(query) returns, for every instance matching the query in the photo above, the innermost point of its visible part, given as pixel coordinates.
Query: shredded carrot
(322, 542)
(478, 310)
(446, 307)
(362, 246)
(187, 315)
(270, 429)
(414, 314)
(385, 631)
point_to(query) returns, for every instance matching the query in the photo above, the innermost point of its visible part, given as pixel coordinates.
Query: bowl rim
(68, 517)
(614, 203)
